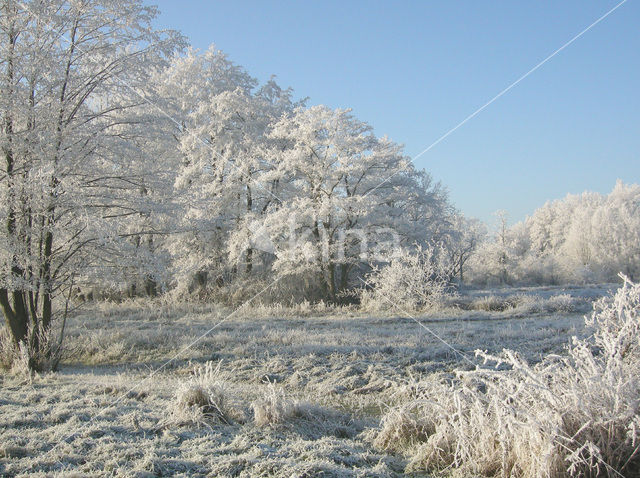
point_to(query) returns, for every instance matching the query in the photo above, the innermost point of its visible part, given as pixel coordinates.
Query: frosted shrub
(41, 355)
(404, 427)
(525, 303)
(575, 415)
(561, 303)
(201, 400)
(489, 303)
(411, 281)
(522, 303)
(274, 408)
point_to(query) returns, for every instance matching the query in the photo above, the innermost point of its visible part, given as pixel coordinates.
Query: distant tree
(582, 238)
(464, 239)
(502, 241)
(616, 229)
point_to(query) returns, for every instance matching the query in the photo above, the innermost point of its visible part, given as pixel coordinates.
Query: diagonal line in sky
(503, 92)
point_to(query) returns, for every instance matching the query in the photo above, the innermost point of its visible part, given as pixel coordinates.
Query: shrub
(575, 415)
(275, 408)
(409, 281)
(42, 354)
(525, 303)
(202, 400)
(561, 303)
(489, 303)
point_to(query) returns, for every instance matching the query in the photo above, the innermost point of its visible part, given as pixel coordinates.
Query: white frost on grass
(575, 414)
(334, 375)
(202, 400)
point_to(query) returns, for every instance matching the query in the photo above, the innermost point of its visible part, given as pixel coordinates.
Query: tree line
(583, 238)
(133, 164)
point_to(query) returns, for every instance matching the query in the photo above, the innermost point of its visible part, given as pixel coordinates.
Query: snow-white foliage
(346, 188)
(411, 280)
(222, 179)
(73, 176)
(582, 238)
(571, 415)
(461, 242)
(129, 169)
(269, 188)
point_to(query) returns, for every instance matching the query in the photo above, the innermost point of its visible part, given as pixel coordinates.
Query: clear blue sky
(414, 70)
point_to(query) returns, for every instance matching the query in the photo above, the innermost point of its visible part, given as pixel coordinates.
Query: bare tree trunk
(331, 281)
(46, 280)
(150, 287)
(15, 313)
(249, 249)
(15, 317)
(344, 276)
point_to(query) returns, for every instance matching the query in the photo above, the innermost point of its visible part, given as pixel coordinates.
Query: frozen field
(297, 393)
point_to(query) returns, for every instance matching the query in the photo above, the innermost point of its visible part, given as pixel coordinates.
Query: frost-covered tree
(588, 237)
(466, 235)
(70, 178)
(616, 227)
(223, 184)
(410, 280)
(126, 165)
(345, 189)
(492, 263)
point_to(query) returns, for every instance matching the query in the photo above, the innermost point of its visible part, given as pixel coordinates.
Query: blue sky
(414, 70)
